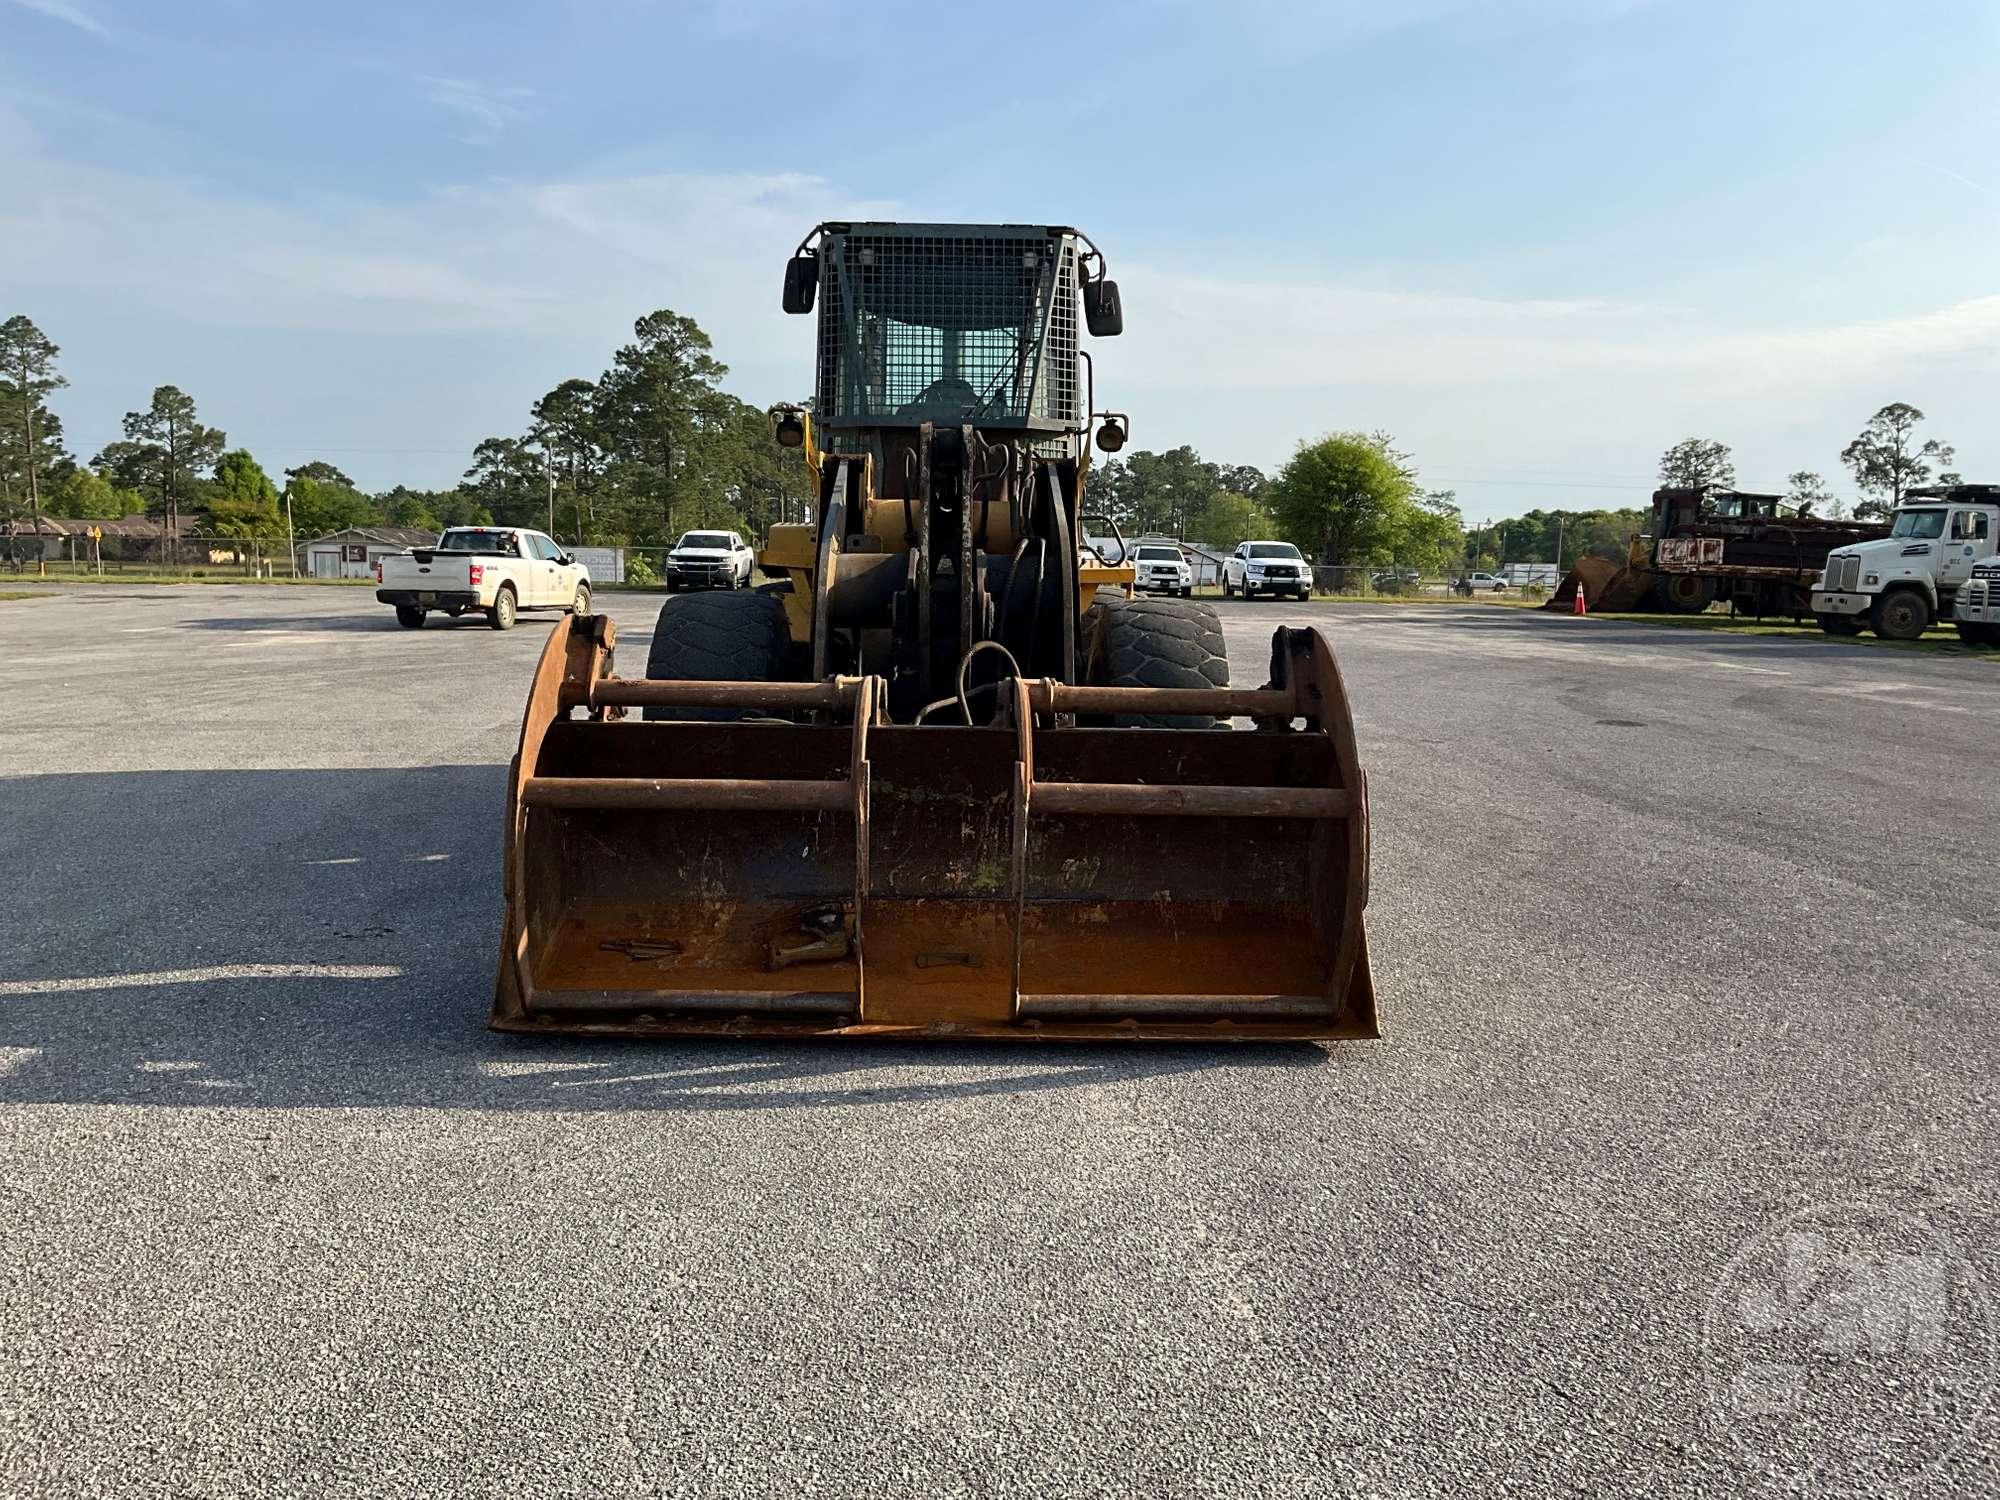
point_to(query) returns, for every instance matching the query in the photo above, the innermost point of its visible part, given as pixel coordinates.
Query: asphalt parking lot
(1681, 939)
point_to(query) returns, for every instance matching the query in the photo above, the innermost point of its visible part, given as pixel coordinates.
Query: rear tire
(1842, 625)
(505, 607)
(1683, 593)
(410, 617)
(1901, 615)
(716, 636)
(1156, 643)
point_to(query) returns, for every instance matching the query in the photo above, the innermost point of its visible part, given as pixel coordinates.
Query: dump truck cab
(1902, 584)
(942, 777)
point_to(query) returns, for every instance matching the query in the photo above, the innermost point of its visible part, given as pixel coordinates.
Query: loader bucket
(820, 871)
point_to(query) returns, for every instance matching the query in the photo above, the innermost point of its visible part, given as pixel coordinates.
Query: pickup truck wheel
(1901, 615)
(581, 604)
(715, 636)
(1156, 643)
(410, 617)
(501, 615)
(1841, 624)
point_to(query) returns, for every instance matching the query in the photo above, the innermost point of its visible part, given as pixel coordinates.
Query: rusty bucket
(819, 871)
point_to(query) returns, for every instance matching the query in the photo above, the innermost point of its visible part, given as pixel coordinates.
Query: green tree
(421, 509)
(1227, 518)
(1697, 463)
(243, 502)
(568, 431)
(321, 507)
(509, 481)
(1431, 534)
(165, 452)
(661, 411)
(85, 495)
(1888, 462)
(1162, 493)
(28, 376)
(1808, 495)
(319, 471)
(1345, 499)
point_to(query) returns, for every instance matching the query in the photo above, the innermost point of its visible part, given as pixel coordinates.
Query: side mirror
(801, 282)
(1103, 313)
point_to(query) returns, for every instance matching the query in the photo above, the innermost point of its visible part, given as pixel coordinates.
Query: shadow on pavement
(325, 938)
(384, 619)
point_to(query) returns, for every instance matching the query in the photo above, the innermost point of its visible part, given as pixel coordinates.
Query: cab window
(1918, 525)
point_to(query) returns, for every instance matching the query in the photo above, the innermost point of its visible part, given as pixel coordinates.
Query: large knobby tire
(1683, 593)
(1901, 615)
(505, 607)
(1156, 643)
(716, 636)
(410, 617)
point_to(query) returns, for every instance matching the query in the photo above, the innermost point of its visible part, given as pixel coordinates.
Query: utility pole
(549, 468)
(1562, 520)
(291, 540)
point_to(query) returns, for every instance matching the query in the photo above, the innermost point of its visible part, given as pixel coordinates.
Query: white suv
(1267, 568)
(1160, 569)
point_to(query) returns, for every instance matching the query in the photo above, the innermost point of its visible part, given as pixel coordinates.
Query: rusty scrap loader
(944, 777)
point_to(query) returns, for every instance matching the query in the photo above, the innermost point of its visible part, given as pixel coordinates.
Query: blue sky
(1537, 241)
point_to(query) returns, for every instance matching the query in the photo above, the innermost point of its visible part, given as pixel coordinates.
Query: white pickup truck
(496, 570)
(710, 560)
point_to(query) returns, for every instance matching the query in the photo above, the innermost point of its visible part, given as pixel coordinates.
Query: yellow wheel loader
(945, 777)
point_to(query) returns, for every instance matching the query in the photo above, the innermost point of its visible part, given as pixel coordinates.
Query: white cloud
(484, 110)
(554, 272)
(67, 13)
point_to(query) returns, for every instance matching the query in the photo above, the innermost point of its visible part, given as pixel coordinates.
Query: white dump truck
(1975, 610)
(1903, 584)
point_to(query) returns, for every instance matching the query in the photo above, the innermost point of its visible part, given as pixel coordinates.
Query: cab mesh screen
(937, 325)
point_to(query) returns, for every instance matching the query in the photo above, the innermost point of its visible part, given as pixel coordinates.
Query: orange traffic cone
(1579, 608)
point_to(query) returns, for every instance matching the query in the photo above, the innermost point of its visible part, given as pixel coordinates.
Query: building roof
(143, 528)
(394, 536)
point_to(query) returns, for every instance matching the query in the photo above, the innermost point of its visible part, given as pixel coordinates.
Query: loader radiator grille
(920, 325)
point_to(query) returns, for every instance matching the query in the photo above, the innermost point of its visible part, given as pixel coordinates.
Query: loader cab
(952, 325)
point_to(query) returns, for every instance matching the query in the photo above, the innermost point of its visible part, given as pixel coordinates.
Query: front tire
(1156, 643)
(1973, 634)
(1901, 615)
(580, 605)
(1841, 625)
(410, 617)
(505, 607)
(718, 636)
